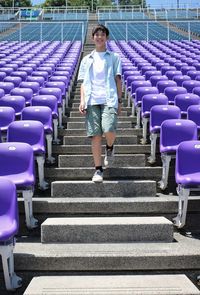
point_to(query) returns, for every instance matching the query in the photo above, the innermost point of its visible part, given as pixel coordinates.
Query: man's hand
(82, 108)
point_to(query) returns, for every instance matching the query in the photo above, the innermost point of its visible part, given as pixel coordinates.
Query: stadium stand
(130, 233)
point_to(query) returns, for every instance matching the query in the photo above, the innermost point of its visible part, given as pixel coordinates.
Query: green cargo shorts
(100, 119)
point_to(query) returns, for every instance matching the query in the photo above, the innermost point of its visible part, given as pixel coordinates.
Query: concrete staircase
(115, 237)
(111, 238)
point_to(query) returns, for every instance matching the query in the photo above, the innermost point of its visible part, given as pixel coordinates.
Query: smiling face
(100, 39)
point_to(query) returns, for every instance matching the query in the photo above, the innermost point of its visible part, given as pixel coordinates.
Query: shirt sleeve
(117, 65)
(81, 72)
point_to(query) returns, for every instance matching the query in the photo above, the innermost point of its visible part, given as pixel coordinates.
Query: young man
(100, 101)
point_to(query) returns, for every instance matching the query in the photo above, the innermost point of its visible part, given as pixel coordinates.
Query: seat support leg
(183, 194)
(50, 159)
(12, 281)
(165, 170)
(31, 222)
(153, 138)
(55, 132)
(144, 130)
(42, 183)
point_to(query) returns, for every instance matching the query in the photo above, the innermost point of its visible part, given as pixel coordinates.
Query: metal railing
(153, 30)
(42, 31)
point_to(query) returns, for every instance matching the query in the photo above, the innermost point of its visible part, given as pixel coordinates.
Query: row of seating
(46, 31)
(161, 82)
(28, 109)
(142, 31)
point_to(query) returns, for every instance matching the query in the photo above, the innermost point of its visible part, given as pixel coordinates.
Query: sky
(157, 3)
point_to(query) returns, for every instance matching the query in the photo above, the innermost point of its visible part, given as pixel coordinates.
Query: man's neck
(101, 49)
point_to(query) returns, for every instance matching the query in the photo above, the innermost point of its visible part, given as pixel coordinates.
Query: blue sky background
(157, 3)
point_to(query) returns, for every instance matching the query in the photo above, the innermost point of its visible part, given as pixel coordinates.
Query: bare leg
(110, 138)
(96, 149)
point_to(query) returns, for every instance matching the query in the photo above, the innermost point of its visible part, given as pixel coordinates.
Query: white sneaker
(109, 157)
(98, 176)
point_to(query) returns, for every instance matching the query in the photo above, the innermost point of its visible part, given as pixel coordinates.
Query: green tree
(53, 3)
(17, 3)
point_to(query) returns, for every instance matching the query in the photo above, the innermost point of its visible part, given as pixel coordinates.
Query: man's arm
(82, 100)
(118, 81)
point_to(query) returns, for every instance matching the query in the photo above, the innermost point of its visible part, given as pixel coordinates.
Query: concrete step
(81, 132)
(86, 149)
(106, 230)
(82, 140)
(87, 160)
(78, 114)
(112, 189)
(122, 173)
(157, 205)
(112, 285)
(81, 125)
(183, 253)
(120, 119)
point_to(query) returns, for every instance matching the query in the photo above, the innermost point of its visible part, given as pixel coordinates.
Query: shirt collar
(92, 53)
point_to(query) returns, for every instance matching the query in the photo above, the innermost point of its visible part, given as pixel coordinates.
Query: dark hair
(100, 27)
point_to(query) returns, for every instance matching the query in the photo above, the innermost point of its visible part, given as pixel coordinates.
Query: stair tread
(112, 285)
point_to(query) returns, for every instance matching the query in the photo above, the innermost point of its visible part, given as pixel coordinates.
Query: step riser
(82, 132)
(86, 141)
(139, 173)
(86, 149)
(112, 189)
(120, 119)
(81, 125)
(87, 161)
(116, 262)
(77, 114)
(106, 230)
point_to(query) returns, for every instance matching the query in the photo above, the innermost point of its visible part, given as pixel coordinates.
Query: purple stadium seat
(185, 69)
(61, 85)
(149, 74)
(6, 86)
(43, 74)
(37, 79)
(9, 225)
(140, 92)
(26, 69)
(156, 78)
(190, 85)
(183, 101)
(193, 74)
(35, 86)
(128, 82)
(179, 79)
(17, 164)
(51, 102)
(165, 69)
(31, 132)
(14, 101)
(44, 115)
(134, 86)
(7, 115)
(15, 80)
(187, 176)
(148, 101)
(27, 93)
(171, 92)
(170, 74)
(161, 85)
(57, 93)
(193, 113)
(2, 76)
(158, 114)
(22, 74)
(172, 133)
